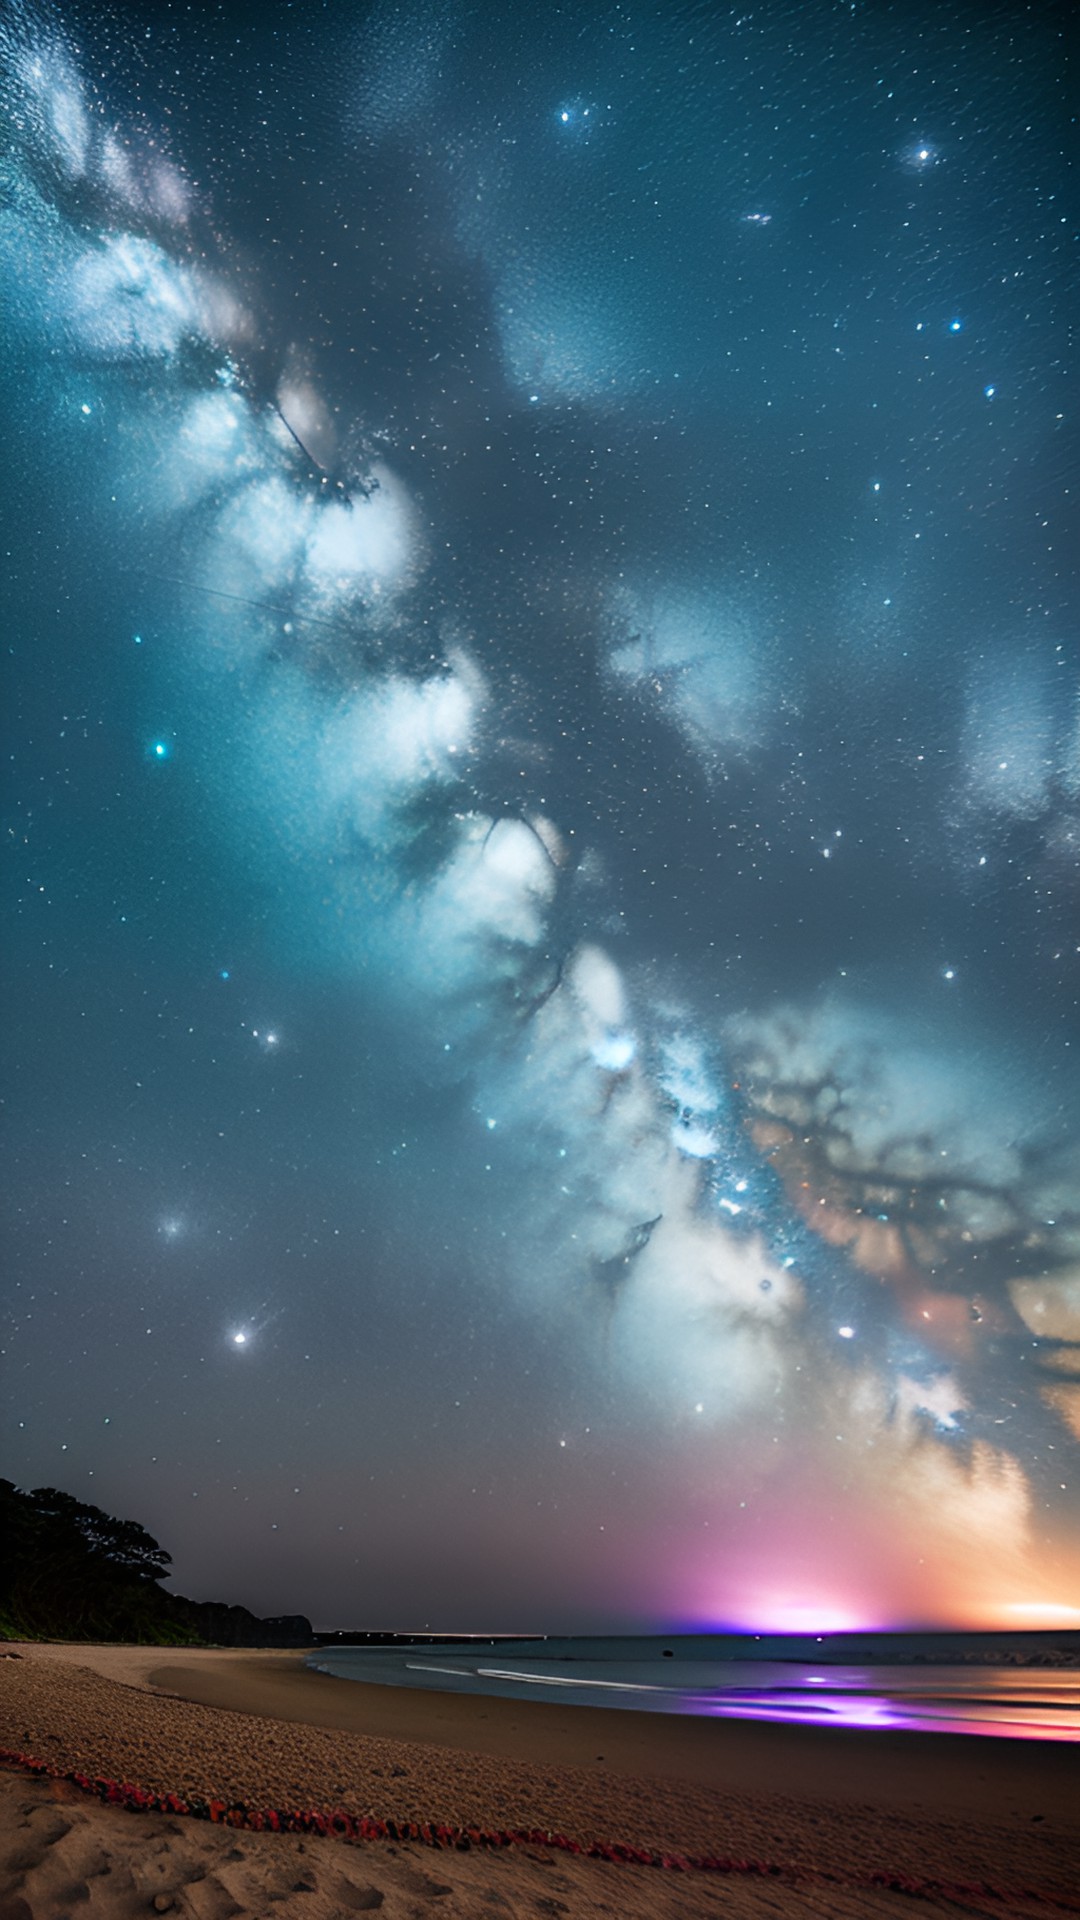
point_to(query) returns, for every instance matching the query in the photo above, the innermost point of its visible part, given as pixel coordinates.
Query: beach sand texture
(964, 1825)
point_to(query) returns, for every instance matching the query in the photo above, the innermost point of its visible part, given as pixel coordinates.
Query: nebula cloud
(620, 908)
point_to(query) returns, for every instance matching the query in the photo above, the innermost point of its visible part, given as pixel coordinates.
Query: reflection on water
(1017, 1703)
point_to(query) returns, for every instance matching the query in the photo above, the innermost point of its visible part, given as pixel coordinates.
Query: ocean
(683, 1675)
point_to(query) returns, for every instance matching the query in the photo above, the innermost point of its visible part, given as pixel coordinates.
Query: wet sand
(746, 1755)
(965, 1824)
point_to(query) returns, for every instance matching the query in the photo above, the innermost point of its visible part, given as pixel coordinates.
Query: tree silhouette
(69, 1571)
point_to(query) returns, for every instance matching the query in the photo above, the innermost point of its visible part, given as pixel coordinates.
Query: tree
(71, 1571)
(123, 1544)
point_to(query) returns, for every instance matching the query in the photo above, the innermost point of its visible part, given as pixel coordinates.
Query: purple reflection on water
(843, 1711)
(880, 1710)
(1012, 1703)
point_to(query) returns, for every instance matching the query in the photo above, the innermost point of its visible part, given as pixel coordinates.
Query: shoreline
(834, 1763)
(722, 1755)
(793, 1803)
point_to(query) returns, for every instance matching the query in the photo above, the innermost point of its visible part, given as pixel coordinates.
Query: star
(921, 156)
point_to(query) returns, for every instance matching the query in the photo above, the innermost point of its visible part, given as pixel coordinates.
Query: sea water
(681, 1677)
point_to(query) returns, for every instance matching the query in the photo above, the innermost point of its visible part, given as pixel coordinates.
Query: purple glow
(1007, 1702)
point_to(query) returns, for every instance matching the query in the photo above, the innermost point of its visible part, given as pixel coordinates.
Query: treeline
(68, 1571)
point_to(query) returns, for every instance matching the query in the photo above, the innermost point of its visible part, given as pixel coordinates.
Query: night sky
(542, 806)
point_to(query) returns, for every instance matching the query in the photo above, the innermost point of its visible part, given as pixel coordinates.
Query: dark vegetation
(68, 1571)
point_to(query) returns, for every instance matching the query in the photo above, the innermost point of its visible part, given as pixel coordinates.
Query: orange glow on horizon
(1043, 1613)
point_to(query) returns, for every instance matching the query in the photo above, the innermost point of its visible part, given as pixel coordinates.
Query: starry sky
(542, 806)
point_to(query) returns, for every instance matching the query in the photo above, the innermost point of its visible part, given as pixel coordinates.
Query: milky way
(545, 809)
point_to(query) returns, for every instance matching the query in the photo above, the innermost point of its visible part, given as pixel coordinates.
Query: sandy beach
(806, 1821)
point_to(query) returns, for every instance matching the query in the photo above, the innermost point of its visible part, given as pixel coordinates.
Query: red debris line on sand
(360, 1827)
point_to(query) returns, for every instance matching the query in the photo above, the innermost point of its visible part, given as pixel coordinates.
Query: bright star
(574, 118)
(920, 156)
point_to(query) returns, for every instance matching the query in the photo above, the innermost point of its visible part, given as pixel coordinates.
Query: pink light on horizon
(777, 1615)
